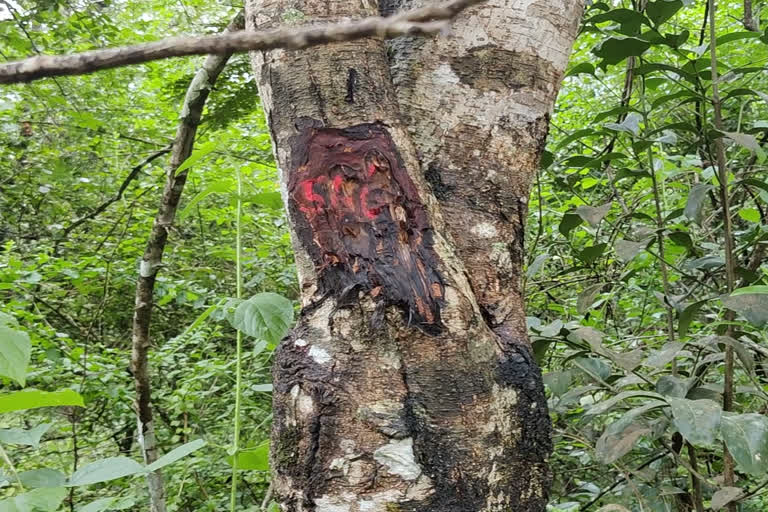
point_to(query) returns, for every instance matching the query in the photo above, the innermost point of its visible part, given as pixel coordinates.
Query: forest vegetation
(646, 264)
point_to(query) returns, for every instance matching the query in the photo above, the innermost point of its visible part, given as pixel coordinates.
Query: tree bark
(192, 110)
(408, 383)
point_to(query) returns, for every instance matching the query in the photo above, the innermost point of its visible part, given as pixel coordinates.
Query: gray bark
(408, 383)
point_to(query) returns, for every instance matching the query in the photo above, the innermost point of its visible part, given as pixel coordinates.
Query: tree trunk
(408, 383)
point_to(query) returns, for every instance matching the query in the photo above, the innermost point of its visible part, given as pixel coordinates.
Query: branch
(426, 20)
(192, 109)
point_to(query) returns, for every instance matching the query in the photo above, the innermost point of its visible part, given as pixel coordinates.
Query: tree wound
(359, 216)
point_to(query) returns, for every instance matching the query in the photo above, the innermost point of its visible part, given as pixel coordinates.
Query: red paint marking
(371, 169)
(370, 213)
(337, 183)
(311, 196)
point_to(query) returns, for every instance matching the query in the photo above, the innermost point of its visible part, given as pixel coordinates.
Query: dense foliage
(628, 301)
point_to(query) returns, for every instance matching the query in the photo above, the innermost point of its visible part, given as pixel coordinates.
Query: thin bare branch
(426, 20)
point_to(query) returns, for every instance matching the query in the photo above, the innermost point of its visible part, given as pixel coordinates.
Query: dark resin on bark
(359, 216)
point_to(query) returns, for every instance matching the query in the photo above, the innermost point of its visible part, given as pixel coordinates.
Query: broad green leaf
(669, 385)
(626, 250)
(6, 319)
(15, 349)
(593, 215)
(104, 470)
(264, 316)
(750, 215)
(615, 49)
(630, 124)
(219, 187)
(744, 355)
(197, 155)
(20, 436)
(613, 445)
(583, 68)
(108, 504)
(569, 222)
(608, 404)
(746, 436)
(697, 420)
(687, 316)
(558, 382)
(33, 398)
(36, 500)
(43, 477)
(662, 10)
(695, 204)
(751, 303)
(587, 297)
(537, 264)
(724, 496)
(749, 142)
(271, 200)
(253, 459)
(629, 19)
(613, 508)
(662, 357)
(591, 254)
(176, 454)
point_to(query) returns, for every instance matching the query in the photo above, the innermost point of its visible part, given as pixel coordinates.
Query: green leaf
(615, 49)
(176, 454)
(630, 124)
(583, 68)
(751, 303)
(746, 436)
(687, 316)
(587, 297)
(271, 200)
(627, 250)
(219, 187)
(43, 477)
(264, 316)
(108, 504)
(662, 357)
(671, 386)
(606, 405)
(33, 398)
(744, 355)
(592, 253)
(749, 142)
(36, 500)
(15, 349)
(253, 459)
(697, 420)
(614, 444)
(537, 264)
(750, 215)
(104, 470)
(20, 436)
(662, 10)
(593, 215)
(695, 204)
(197, 155)
(558, 382)
(724, 496)
(6, 319)
(569, 222)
